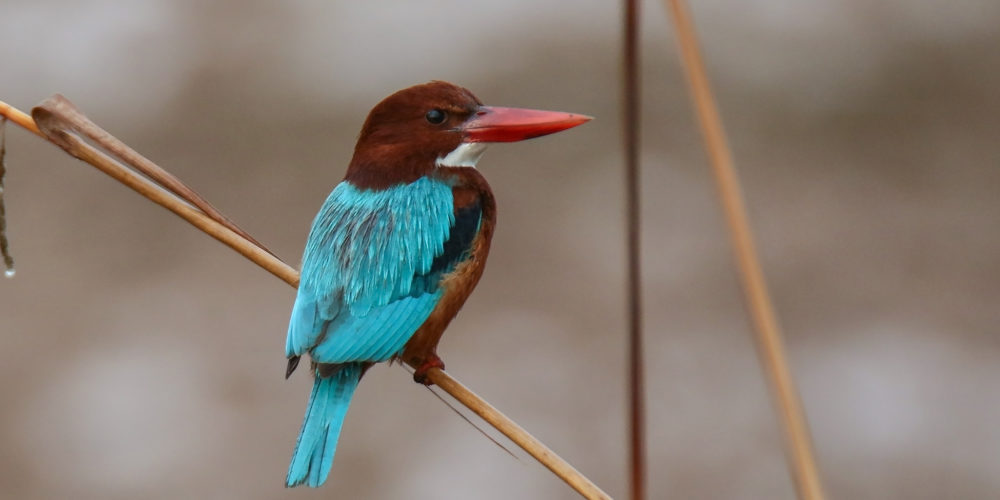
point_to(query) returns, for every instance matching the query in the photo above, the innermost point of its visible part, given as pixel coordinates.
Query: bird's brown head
(415, 130)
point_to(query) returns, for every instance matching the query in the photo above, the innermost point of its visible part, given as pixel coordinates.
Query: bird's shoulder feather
(371, 268)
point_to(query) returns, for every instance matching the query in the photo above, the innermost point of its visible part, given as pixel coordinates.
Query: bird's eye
(436, 116)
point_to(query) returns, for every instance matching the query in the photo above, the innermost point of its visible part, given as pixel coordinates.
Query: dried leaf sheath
(8, 261)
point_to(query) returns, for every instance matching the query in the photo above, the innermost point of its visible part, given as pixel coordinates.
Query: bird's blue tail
(321, 428)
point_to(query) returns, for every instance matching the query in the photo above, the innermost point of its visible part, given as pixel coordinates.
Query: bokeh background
(141, 359)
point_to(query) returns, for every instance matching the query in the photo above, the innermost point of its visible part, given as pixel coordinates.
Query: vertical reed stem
(636, 386)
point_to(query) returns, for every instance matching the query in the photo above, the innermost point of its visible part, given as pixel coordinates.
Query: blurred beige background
(141, 359)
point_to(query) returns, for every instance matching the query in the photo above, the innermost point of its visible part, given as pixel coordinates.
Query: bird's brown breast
(469, 189)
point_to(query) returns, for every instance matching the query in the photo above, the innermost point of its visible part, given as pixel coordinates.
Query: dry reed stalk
(770, 348)
(54, 120)
(636, 383)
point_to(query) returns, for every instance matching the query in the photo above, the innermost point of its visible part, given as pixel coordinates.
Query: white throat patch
(465, 155)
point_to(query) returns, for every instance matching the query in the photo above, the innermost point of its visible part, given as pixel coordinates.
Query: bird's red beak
(495, 124)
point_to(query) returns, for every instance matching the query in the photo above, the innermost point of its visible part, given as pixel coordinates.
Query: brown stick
(53, 126)
(798, 444)
(633, 209)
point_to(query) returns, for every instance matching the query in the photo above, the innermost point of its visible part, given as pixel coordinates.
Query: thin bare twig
(770, 347)
(470, 422)
(636, 387)
(54, 126)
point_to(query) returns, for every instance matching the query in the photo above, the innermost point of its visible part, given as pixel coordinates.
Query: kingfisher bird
(396, 249)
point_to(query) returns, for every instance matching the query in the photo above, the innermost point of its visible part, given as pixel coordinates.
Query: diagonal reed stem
(54, 120)
(770, 348)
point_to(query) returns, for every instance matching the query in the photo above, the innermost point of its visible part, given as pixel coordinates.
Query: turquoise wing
(367, 281)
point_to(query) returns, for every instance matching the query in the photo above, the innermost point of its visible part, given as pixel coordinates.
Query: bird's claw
(420, 375)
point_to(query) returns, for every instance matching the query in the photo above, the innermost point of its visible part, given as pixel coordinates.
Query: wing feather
(365, 287)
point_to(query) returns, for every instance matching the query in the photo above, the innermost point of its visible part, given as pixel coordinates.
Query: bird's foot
(420, 375)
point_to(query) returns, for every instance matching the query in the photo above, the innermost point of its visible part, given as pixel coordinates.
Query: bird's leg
(431, 361)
